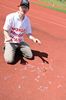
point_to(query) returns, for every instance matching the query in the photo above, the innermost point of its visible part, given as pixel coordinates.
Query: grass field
(56, 2)
(55, 5)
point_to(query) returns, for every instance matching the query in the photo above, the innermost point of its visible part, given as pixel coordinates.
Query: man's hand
(9, 39)
(7, 36)
(36, 40)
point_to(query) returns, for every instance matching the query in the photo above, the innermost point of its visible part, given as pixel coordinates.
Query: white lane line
(47, 21)
(37, 17)
(40, 12)
(9, 2)
(47, 14)
(8, 8)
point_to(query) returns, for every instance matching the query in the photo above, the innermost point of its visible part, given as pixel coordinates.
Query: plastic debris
(51, 67)
(51, 60)
(20, 85)
(60, 76)
(32, 66)
(24, 77)
(33, 70)
(43, 74)
(40, 88)
(23, 69)
(43, 88)
(29, 64)
(7, 77)
(59, 86)
(49, 82)
(39, 71)
(37, 78)
(44, 69)
(15, 68)
(41, 63)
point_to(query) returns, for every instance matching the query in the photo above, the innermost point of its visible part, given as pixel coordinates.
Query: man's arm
(7, 36)
(32, 38)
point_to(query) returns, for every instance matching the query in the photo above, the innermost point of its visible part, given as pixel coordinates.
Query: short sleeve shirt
(16, 27)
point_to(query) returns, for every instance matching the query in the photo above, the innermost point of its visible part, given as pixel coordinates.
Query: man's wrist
(31, 37)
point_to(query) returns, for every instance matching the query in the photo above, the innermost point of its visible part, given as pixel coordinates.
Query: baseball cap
(24, 2)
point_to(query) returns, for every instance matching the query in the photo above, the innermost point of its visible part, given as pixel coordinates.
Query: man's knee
(30, 56)
(8, 60)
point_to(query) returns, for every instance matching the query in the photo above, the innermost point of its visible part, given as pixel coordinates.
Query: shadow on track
(41, 55)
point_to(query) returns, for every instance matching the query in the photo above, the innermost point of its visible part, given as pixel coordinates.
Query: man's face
(23, 9)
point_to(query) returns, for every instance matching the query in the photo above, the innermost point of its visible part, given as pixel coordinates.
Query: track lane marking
(37, 17)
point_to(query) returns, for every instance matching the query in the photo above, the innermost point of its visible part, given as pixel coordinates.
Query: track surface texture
(44, 77)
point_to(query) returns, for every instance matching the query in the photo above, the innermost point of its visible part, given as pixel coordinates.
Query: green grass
(56, 2)
(53, 8)
(58, 9)
(40, 4)
(34, 2)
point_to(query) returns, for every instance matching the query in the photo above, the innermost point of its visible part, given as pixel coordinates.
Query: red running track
(44, 77)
